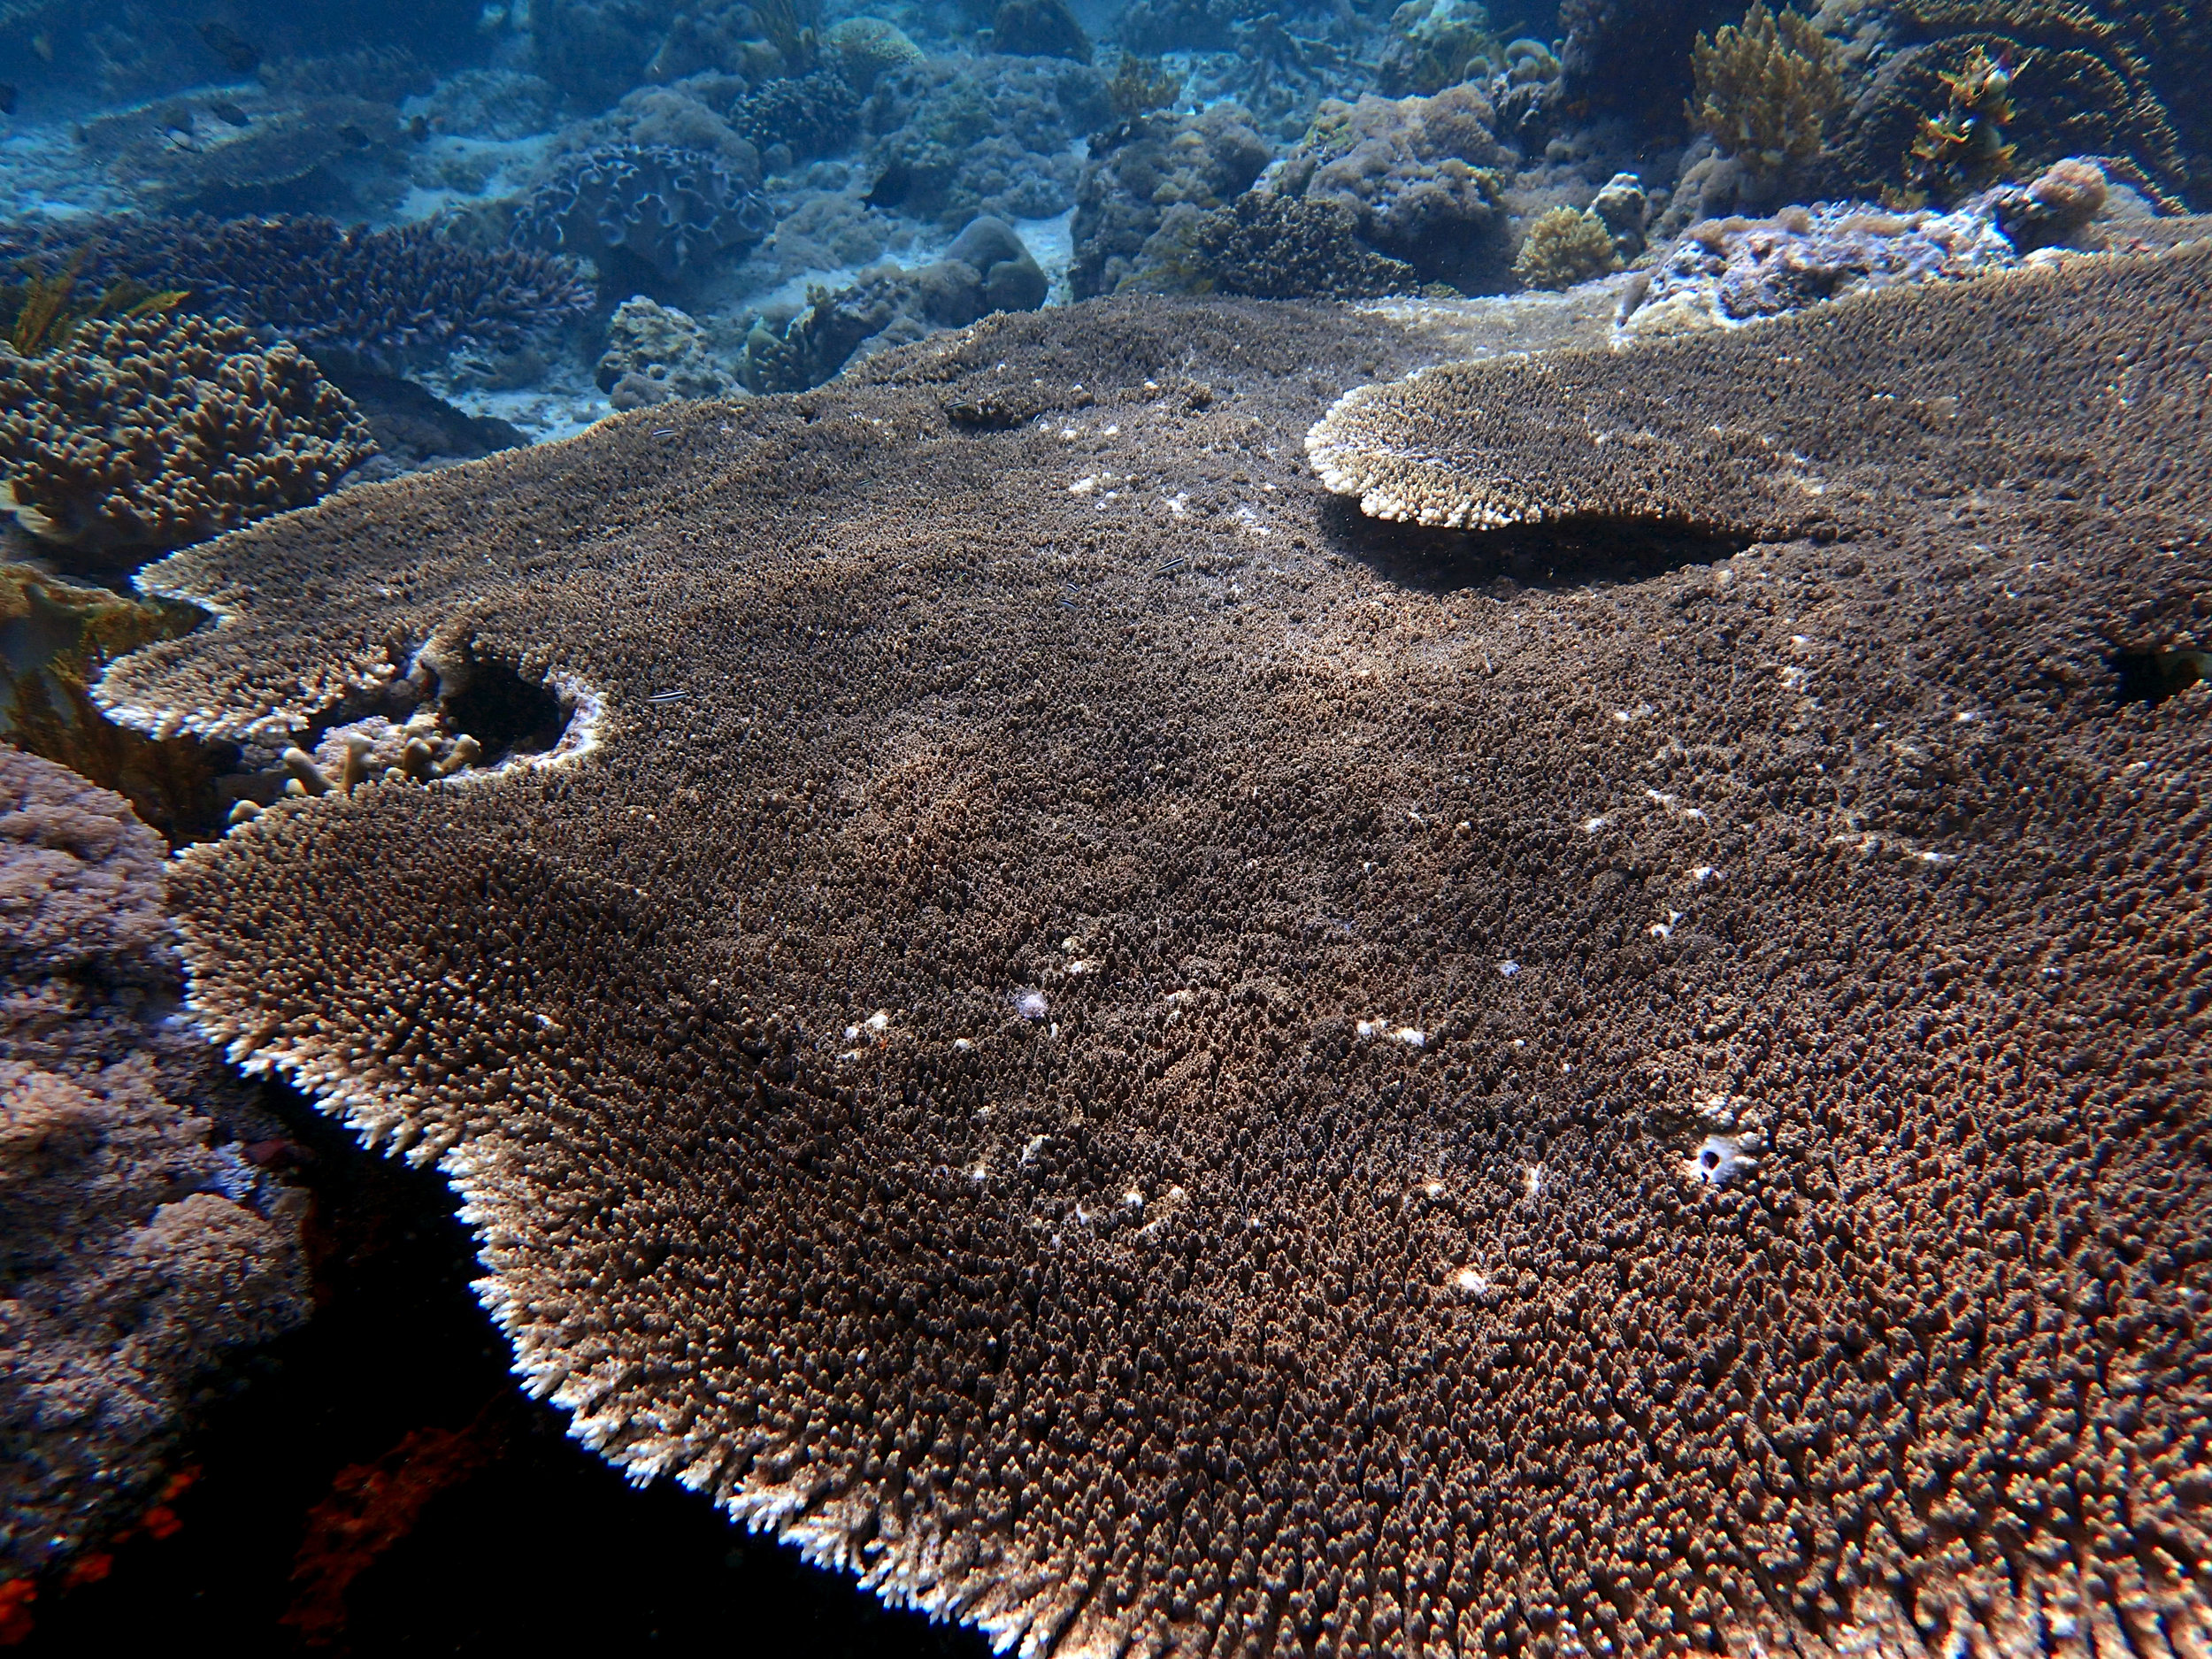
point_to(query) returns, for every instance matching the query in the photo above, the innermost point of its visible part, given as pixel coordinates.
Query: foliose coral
(311, 153)
(138, 1249)
(1298, 1278)
(648, 216)
(56, 639)
(1955, 83)
(1767, 89)
(1144, 172)
(151, 432)
(1422, 177)
(388, 298)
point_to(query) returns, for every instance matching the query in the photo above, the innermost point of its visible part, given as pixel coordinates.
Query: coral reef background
(253, 260)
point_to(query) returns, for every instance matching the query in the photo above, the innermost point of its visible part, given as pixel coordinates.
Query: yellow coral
(1766, 89)
(1964, 147)
(1564, 247)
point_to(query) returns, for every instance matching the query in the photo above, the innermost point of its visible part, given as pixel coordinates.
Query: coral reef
(986, 268)
(1422, 177)
(1962, 93)
(151, 432)
(811, 115)
(387, 298)
(655, 353)
(1731, 271)
(180, 157)
(1436, 43)
(137, 1248)
(1146, 172)
(650, 217)
(1565, 246)
(1766, 91)
(1287, 248)
(1633, 58)
(56, 639)
(1309, 1281)
(1039, 28)
(950, 140)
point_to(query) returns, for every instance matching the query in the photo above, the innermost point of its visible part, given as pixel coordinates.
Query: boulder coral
(138, 1247)
(1326, 1267)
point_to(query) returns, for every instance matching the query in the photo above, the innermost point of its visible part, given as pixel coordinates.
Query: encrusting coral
(148, 432)
(138, 1245)
(1126, 1054)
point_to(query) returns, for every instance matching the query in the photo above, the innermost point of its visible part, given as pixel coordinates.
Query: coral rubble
(1125, 1052)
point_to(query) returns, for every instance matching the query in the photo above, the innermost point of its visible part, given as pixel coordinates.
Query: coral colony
(1167, 827)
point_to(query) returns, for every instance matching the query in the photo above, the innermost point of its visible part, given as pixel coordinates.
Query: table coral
(149, 432)
(137, 1248)
(1299, 1278)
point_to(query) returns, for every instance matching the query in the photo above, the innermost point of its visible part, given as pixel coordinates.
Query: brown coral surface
(1155, 1066)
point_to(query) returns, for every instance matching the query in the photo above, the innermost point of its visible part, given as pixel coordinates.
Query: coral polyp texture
(383, 297)
(138, 1247)
(149, 432)
(1324, 1261)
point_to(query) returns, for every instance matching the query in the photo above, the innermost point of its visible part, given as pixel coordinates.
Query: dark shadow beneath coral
(507, 713)
(1590, 553)
(297, 1529)
(2152, 677)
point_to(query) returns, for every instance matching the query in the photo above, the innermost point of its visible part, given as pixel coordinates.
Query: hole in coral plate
(1585, 553)
(507, 712)
(2152, 677)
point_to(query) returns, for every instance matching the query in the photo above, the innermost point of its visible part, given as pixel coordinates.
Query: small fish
(43, 45)
(229, 114)
(180, 138)
(236, 52)
(664, 431)
(1171, 567)
(7, 98)
(667, 697)
(353, 135)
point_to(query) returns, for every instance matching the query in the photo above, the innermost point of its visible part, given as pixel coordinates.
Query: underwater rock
(648, 216)
(654, 353)
(1237, 1294)
(1728, 272)
(138, 1248)
(1144, 171)
(386, 299)
(148, 432)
